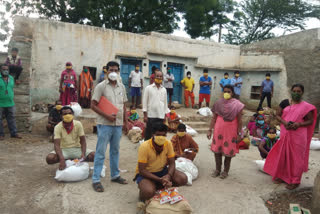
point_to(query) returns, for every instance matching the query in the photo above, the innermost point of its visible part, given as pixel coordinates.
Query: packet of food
(188, 150)
(175, 196)
(164, 196)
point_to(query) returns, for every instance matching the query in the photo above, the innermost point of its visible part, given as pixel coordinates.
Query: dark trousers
(151, 122)
(264, 95)
(15, 71)
(9, 114)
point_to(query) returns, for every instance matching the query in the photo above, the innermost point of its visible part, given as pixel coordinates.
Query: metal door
(177, 71)
(128, 65)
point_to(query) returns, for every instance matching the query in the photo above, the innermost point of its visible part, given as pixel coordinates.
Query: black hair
(159, 127)
(104, 67)
(205, 70)
(15, 49)
(3, 64)
(66, 108)
(259, 108)
(132, 106)
(68, 64)
(137, 64)
(112, 63)
(237, 72)
(58, 101)
(172, 107)
(298, 85)
(230, 87)
(189, 72)
(153, 69)
(226, 73)
(182, 126)
(268, 75)
(272, 128)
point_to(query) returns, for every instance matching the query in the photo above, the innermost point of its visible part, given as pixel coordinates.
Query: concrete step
(196, 118)
(202, 130)
(197, 124)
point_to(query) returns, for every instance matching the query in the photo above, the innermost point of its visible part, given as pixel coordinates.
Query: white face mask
(113, 76)
(189, 75)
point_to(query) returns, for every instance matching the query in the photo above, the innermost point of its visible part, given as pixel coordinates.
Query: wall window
(93, 71)
(255, 92)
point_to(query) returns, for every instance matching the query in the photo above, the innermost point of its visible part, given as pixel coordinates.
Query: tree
(255, 19)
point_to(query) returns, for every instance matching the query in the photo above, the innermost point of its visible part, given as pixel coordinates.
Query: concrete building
(45, 46)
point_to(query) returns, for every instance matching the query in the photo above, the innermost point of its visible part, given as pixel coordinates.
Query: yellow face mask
(133, 111)
(158, 81)
(160, 140)
(58, 107)
(226, 76)
(68, 67)
(137, 68)
(172, 111)
(181, 134)
(272, 136)
(237, 75)
(267, 78)
(67, 118)
(105, 70)
(260, 112)
(205, 75)
(226, 96)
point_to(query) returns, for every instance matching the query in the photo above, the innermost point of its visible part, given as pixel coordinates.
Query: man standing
(225, 81)
(236, 82)
(156, 165)
(136, 84)
(168, 84)
(188, 84)
(109, 126)
(7, 106)
(154, 104)
(15, 64)
(205, 88)
(266, 90)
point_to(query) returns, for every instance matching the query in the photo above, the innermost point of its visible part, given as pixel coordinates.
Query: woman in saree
(227, 124)
(289, 158)
(85, 88)
(133, 119)
(172, 119)
(68, 85)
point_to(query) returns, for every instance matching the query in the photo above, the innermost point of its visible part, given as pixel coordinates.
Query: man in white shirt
(154, 104)
(168, 84)
(136, 84)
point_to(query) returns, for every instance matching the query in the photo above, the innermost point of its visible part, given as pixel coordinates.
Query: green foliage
(255, 19)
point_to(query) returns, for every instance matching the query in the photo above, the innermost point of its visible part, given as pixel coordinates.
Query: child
(268, 142)
(15, 64)
(172, 119)
(260, 130)
(133, 119)
(252, 123)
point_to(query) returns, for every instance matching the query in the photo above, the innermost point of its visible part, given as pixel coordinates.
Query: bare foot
(292, 186)
(278, 181)
(224, 175)
(215, 174)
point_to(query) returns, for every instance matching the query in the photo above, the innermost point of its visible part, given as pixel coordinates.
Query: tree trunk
(316, 195)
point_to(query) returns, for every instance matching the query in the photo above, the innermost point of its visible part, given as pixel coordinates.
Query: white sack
(205, 111)
(315, 144)
(191, 131)
(73, 172)
(260, 164)
(76, 109)
(187, 167)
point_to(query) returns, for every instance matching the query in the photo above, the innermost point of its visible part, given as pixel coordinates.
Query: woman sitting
(133, 119)
(268, 142)
(260, 130)
(173, 119)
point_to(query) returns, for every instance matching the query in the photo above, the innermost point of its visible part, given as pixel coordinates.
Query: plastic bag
(175, 196)
(205, 111)
(260, 164)
(73, 172)
(187, 167)
(315, 144)
(164, 196)
(103, 171)
(76, 109)
(191, 131)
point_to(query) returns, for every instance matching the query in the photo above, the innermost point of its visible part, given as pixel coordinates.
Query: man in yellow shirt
(69, 141)
(188, 84)
(152, 172)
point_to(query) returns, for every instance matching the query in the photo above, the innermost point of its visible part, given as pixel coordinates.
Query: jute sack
(154, 207)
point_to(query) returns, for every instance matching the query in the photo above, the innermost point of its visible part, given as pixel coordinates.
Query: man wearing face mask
(69, 141)
(136, 84)
(85, 88)
(168, 84)
(7, 105)
(156, 164)
(266, 90)
(205, 88)
(103, 74)
(188, 84)
(109, 126)
(183, 144)
(54, 117)
(154, 104)
(236, 82)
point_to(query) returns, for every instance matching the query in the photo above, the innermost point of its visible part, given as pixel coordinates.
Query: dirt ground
(27, 183)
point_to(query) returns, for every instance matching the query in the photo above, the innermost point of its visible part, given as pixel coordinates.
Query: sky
(311, 23)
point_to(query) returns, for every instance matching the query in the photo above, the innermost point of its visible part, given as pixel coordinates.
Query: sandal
(278, 181)
(224, 175)
(215, 174)
(292, 186)
(98, 187)
(120, 180)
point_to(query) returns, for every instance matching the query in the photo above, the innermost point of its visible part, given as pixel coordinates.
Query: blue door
(151, 64)
(177, 70)
(128, 65)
